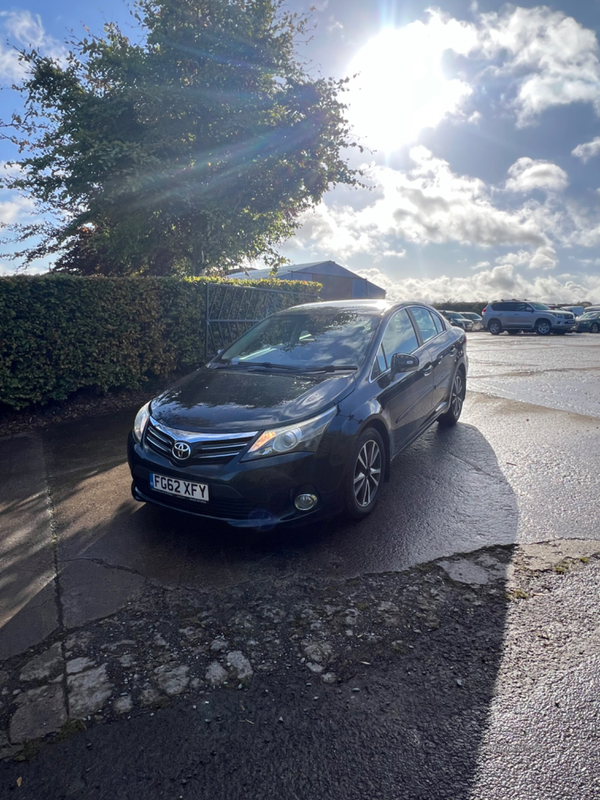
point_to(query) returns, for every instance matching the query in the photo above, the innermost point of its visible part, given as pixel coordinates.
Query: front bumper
(566, 325)
(252, 494)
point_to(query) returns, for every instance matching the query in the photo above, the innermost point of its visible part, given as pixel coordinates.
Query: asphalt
(445, 647)
(472, 678)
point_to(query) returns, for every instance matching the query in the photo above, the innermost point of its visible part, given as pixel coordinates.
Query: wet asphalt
(519, 469)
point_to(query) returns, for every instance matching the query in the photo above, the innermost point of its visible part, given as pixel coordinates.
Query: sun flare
(401, 86)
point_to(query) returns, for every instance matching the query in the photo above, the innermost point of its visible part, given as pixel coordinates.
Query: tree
(185, 154)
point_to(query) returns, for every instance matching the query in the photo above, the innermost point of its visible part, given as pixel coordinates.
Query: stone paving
(178, 642)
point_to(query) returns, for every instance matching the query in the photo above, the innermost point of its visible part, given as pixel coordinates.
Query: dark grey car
(302, 415)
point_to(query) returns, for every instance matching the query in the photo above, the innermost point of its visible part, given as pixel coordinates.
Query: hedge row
(59, 333)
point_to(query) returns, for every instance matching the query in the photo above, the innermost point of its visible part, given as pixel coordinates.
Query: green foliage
(60, 333)
(185, 154)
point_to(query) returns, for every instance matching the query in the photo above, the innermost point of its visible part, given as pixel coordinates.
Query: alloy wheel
(367, 473)
(456, 402)
(543, 328)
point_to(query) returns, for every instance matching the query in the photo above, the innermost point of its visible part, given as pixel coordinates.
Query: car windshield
(589, 315)
(315, 338)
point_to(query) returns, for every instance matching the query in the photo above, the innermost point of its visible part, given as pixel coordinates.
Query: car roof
(378, 307)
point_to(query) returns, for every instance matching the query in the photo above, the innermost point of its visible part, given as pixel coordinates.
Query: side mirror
(402, 362)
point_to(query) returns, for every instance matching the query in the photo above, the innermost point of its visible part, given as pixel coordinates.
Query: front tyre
(455, 401)
(366, 474)
(594, 328)
(543, 327)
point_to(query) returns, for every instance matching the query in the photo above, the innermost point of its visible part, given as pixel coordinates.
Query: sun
(400, 86)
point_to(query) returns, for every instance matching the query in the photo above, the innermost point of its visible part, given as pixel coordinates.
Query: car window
(380, 364)
(399, 336)
(438, 323)
(523, 307)
(425, 322)
(319, 337)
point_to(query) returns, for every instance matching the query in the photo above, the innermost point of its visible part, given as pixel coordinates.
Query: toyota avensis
(302, 415)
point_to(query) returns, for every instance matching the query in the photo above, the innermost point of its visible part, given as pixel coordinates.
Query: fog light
(304, 502)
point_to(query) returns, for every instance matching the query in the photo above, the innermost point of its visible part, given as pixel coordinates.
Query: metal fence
(231, 310)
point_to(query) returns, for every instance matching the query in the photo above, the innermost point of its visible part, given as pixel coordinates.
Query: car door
(441, 343)
(405, 398)
(522, 316)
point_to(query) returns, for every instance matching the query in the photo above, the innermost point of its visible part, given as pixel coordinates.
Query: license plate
(185, 489)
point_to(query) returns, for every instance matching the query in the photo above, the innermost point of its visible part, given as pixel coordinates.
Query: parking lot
(387, 637)
(518, 468)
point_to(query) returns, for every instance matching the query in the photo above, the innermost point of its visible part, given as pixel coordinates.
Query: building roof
(311, 268)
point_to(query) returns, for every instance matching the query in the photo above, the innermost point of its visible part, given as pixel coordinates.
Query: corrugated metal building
(338, 282)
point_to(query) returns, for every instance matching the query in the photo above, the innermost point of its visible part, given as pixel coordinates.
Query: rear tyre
(495, 327)
(365, 476)
(543, 327)
(455, 401)
(594, 328)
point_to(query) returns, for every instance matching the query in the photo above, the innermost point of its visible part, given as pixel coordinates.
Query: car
(301, 417)
(590, 321)
(515, 316)
(456, 318)
(576, 310)
(476, 319)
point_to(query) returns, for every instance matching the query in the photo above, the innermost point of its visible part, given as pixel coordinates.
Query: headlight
(141, 419)
(302, 436)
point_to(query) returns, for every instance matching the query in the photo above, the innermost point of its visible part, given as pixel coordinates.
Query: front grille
(206, 448)
(219, 451)
(158, 440)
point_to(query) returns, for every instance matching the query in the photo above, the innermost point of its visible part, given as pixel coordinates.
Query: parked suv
(518, 315)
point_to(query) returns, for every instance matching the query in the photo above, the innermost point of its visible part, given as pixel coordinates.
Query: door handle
(428, 369)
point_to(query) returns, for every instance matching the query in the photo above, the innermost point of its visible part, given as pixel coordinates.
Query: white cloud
(24, 30)
(527, 174)
(435, 205)
(541, 58)
(520, 258)
(544, 258)
(588, 150)
(501, 281)
(12, 211)
(552, 57)
(431, 204)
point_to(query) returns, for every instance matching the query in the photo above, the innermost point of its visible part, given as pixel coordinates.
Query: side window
(425, 323)
(439, 325)
(380, 364)
(399, 336)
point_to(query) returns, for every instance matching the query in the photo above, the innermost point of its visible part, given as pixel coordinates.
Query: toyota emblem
(181, 450)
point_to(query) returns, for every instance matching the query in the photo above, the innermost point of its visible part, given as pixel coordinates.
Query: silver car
(515, 316)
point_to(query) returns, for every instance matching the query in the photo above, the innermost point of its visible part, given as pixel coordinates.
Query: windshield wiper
(286, 367)
(331, 368)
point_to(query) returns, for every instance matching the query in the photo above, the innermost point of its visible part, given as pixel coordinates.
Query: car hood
(238, 400)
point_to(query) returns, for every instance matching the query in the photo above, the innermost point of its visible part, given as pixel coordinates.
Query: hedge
(61, 333)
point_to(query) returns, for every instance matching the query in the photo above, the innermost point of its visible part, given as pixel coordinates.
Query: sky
(480, 123)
